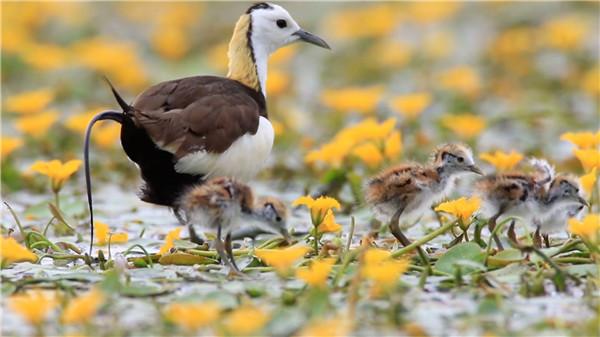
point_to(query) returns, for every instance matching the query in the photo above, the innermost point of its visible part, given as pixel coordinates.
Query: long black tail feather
(106, 115)
(126, 107)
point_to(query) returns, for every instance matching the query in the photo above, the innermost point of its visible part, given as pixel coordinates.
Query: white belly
(242, 160)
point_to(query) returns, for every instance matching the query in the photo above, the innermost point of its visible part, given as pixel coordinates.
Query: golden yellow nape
(242, 67)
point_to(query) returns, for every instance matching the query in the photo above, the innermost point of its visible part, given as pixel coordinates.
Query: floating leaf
(468, 252)
(184, 259)
(505, 258)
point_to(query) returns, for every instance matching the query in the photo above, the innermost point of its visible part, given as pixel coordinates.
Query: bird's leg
(546, 240)
(395, 228)
(220, 247)
(492, 226)
(194, 237)
(537, 240)
(511, 232)
(229, 251)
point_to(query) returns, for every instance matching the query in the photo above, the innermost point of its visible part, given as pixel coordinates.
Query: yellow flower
(245, 320)
(30, 102)
(369, 154)
(391, 54)
(588, 181)
(10, 144)
(282, 259)
(461, 208)
(462, 79)
(393, 145)
(428, 12)
(583, 140)
(316, 275)
(334, 152)
(83, 308)
(37, 125)
(465, 126)
(501, 160)
(411, 105)
(79, 122)
(278, 82)
(55, 170)
(589, 159)
(318, 207)
(333, 327)
(103, 234)
(438, 44)
(282, 55)
(328, 225)
(361, 100)
(170, 41)
(217, 56)
(192, 316)
(565, 33)
(33, 306)
(11, 251)
(45, 56)
(590, 83)
(116, 59)
(171, 236)
(588, 228)
(107, 135)
(383, 270)
(376, 20)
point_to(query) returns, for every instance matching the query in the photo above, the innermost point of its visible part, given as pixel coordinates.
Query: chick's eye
(278, 219)
(461, 159)
(281, 23)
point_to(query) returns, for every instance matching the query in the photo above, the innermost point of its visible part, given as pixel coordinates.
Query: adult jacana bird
(184, 131)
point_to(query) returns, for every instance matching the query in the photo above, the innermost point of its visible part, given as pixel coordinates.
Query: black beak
(475, 169)
(311, 38)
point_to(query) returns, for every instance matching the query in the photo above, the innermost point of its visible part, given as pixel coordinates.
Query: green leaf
(505, 258)
(468, 256)
(184, 259)
(143, 290)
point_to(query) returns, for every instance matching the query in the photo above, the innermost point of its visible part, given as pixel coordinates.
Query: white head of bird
(263, 29)
(451, 159)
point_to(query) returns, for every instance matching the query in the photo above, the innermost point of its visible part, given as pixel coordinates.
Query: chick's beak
(311, 38)
(475, 169)
(583, 201)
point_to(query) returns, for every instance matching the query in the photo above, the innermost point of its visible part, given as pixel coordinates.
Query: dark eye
(278, 219)
(461, 159)
(281, 23)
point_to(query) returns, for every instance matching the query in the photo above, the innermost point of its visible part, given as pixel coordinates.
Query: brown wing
(202, 113)
(401, 182)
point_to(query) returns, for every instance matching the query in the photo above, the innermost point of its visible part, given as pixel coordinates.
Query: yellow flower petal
(411, 105)
(589, 159)
(30, 102)
(588, 228)
(37, 125)
(461, 208)
(83, 308)
(245, 320)
(171, 236)
(501, 160)
(328, 225)
(583, 140)
(588, 181)
(33, 306)
(465, 125)
(282, 259)
(316, 275)
(11, 251)
(192, 316)
(9, 145)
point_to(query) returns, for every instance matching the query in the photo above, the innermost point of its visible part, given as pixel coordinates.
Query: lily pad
(505, 258)
(468, 256)
(184, 259)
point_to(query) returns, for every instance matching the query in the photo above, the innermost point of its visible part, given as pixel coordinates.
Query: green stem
(499, 226)
(56, 199)
(572, 259)
(17, 221)
(351, 234)
(423, 240)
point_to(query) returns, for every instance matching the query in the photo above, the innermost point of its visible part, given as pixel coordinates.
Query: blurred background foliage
(497, 75)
